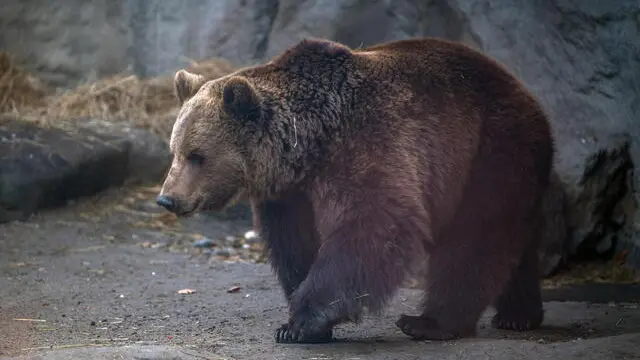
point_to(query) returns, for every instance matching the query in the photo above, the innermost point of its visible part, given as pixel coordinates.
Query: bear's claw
(516, 322)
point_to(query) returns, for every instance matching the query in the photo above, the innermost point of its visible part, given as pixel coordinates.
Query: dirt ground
(101, 279)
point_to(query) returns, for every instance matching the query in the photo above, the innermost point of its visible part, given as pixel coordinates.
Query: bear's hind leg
(519, 307)
(462, 281)
(472, 263)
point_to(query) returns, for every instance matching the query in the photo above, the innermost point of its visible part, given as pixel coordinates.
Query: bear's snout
(167, 202)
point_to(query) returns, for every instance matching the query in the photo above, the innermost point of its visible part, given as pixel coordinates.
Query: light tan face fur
(207, 171)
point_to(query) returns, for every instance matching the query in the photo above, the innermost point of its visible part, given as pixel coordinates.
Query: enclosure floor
(100, 279)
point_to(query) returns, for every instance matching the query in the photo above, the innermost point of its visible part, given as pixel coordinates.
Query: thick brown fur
(361, 163)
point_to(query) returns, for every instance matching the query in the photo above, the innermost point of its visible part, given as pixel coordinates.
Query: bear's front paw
(288, 334)
(422, 328)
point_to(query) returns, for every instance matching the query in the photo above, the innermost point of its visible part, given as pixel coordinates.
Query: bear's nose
(166, 202)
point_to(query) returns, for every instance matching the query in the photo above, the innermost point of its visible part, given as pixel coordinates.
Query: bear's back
(462, 107)
(433, 66)
(439, 83)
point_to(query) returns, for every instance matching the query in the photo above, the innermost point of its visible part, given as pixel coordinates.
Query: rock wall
(581, 58)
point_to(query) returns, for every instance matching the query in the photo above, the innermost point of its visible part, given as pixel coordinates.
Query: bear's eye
(195, 159)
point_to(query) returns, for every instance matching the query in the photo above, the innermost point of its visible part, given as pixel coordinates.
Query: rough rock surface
(46, 167)
(42, 168)
(149, 157)
(581, 58)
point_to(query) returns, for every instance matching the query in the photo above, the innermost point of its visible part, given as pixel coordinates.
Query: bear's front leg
(361, 262)
(287, 228)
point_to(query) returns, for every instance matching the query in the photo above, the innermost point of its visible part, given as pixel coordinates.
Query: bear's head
(209, 166)
(238, 135)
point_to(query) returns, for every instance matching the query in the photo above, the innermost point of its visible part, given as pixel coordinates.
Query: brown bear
(361, 164)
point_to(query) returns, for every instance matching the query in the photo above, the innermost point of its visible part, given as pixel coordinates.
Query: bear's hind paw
(516, 322)
(423, 328)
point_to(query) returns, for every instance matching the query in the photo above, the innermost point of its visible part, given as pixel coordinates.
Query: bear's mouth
(184, 213)
(220, 203)
(216, 204)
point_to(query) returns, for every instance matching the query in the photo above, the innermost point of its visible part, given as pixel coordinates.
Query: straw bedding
(147, 103)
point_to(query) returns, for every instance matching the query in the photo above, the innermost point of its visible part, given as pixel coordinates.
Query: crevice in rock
(141, 14)
(604, 204)
(266, 11)
(458, 23)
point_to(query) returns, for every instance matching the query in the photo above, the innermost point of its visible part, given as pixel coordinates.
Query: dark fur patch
(240, 99)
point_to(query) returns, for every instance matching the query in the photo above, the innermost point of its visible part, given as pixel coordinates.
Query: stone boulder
(46, 167)
(149, 157)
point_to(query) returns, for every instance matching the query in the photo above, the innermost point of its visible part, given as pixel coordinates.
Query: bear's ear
(187, 84)
(240, 99)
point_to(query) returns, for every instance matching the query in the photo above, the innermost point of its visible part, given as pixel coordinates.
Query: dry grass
(593, 272)
(147, 103)
(18, 89)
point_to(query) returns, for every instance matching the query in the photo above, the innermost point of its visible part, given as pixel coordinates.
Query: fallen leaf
(108, 237)
(90, 248)
(17, 264)
(186, 291)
